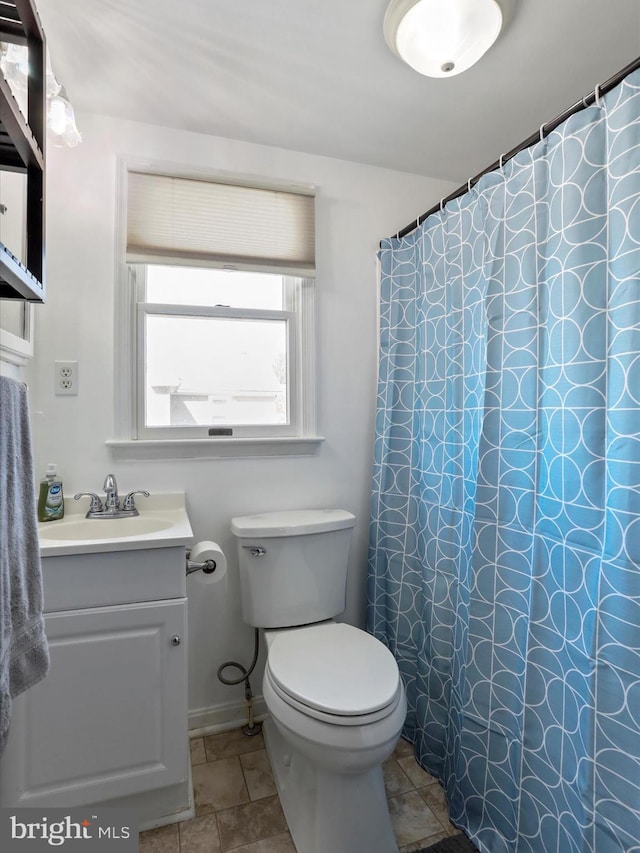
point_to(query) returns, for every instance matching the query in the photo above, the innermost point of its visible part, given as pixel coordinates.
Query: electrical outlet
(66, 377)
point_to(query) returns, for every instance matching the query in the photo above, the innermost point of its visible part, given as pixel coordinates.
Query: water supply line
(252, 728)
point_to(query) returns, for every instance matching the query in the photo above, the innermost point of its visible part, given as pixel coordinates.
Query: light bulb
(57, 115)
(61, 121)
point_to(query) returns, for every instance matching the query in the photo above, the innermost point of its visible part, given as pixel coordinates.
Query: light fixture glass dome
(61, 121)
(441, 38)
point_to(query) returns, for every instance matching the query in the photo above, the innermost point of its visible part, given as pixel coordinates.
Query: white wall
(356, 206)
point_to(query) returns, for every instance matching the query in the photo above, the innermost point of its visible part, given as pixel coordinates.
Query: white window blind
(177, 219)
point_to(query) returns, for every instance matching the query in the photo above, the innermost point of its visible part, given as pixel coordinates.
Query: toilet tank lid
(296, 522)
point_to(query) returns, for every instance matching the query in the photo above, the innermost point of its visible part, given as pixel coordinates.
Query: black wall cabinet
(22, 149)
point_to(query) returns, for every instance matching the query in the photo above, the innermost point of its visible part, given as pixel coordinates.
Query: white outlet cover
(65, 378)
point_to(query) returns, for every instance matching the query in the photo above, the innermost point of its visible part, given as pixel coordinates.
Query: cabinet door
(110, 718)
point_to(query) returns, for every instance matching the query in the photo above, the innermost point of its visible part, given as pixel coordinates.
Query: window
(221, 285)
(217, 352)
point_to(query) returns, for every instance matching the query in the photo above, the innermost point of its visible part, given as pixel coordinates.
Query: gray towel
(24, 654)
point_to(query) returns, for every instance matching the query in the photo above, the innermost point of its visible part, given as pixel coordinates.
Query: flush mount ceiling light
(442, 38)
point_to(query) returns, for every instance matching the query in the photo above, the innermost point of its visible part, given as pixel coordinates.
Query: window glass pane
(175, 285)
(203, 371)
(13, 316)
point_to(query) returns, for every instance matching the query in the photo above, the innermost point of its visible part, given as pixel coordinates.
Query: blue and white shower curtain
(504, 569)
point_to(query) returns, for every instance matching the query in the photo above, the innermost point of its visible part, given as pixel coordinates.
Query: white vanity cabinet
(110, 718)
(108, 724)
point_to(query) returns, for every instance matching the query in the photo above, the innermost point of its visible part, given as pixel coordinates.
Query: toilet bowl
(335, 698)
(337, 706)
(337, 691)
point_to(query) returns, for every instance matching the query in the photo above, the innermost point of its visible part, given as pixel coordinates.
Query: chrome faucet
(111, 507)
(112, 502)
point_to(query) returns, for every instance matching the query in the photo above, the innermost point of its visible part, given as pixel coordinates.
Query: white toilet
(334, 693)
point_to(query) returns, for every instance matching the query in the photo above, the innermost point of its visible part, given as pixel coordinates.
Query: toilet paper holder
(206, 566)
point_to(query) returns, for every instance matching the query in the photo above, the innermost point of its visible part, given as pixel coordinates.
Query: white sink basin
(108, 528)
(162, 522)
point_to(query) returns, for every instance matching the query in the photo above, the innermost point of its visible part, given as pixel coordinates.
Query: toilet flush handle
(256, 550)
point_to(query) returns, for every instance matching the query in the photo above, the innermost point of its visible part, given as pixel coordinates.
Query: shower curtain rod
(590, 99)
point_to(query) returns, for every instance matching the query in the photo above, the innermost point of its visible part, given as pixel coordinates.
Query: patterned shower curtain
(504, 569)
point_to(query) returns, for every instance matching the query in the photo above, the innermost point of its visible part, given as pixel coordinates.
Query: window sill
(213, 448)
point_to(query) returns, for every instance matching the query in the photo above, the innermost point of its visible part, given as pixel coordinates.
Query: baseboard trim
(223, 718)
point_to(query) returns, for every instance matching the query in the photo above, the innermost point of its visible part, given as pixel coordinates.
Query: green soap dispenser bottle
(51, 497)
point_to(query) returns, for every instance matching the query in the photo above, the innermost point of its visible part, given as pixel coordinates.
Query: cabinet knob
(176, 640)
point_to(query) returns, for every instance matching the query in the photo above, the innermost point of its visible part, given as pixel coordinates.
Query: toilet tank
(293, 565)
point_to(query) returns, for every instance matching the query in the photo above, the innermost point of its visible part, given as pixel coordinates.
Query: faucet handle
(95, 505)
(129, 504)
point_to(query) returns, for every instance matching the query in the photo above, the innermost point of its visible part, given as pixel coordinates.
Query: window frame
(124, 444)
(143, 308)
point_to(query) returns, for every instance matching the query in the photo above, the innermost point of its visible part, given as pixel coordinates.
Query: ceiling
(318, 76)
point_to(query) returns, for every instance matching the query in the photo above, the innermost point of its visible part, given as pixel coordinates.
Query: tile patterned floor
(237, 807)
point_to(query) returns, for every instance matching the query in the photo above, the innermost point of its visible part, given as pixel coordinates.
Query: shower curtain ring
(469, 185)
(501, 160)
(596, 95)
(541, 132)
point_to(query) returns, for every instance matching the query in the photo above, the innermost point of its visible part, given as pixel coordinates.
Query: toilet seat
(334, 672)
(334, 719)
